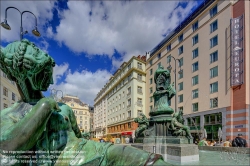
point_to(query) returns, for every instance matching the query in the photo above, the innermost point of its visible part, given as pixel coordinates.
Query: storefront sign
(239, 126)
(127, 133)
(237, 51)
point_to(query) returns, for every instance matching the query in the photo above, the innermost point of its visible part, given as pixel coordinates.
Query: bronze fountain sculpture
(45, 129)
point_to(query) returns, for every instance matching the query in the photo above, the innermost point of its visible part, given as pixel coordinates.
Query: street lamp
(180, 72)
(6, 25)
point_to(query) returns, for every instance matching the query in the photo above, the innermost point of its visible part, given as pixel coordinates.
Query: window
(150, 108)
(129, 124)
(214, 72)
(5, 105)
(195, 94)
(151, 90)
(123, 104)
(159, 64)
(151, 80)
(214, 102)
(195, 66)
(180, 86)
(180, 74)
(180, 50)
(139, 77)
(151, 99)
(214, 41)
(129, 66)
(214, 57)
(195, 26)
(129, 114)
(213, 26)
(139, 101)
(139, 65)
(195, 107)
(151, 71)
(129, 91)
(86, 122)
(139, 112)
(159, 55)
(195, 53)
(180, 98)
(129, 103)
(180, 38)
(13, 96)
(195, 80)
(180, 62)
(168, 47)
(214, 87)
(180, 108)
(213, 11)
(169, 59)
(139, 89)
(129, 77)
(4, 75)
(150, 62)
(5, 91)
(195, 39)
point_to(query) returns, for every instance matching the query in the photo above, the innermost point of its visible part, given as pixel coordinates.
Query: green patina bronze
(42, 125)
(163, 122)
(164, 92)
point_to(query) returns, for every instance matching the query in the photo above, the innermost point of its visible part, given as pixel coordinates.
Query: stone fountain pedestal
(158, 138)
(174, 149)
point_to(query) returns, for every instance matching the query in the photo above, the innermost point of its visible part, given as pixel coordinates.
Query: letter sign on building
(237, 51)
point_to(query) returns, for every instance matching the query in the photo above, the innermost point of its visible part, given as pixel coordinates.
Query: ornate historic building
(8, 90)
(81, 111)
(211, 50)
(121, 100)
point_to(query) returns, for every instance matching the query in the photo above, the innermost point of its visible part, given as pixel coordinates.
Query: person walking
(239, 141)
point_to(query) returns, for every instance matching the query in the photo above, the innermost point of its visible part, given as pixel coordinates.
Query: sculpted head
(162, 78)
(27, 65)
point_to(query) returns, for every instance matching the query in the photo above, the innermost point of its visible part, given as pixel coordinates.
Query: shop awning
(127, 133)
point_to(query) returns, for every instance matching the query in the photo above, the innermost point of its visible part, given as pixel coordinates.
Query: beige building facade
(211, 90)
(81, 111)
(122, 99)
(8, 90)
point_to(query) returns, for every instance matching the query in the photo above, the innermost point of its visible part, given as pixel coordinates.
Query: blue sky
(89, 40)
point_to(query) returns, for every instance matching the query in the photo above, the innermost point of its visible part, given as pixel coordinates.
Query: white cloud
(59, 71)
(84, 84)
(132, 27)
(41, 9)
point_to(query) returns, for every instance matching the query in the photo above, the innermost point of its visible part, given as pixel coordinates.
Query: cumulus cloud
(43, 10)
(132, 27)
(84, 84)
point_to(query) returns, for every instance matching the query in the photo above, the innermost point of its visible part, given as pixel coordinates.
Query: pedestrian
(203, 142)
(127, 140)
(239, 141)
(227, 143)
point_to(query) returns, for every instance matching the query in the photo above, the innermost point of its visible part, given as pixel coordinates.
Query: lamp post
(180, 72)
(6, 25)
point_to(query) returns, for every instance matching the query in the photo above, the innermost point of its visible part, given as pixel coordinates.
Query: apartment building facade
(8, 90)
(122, 99)
(81, 111)
(211, 49)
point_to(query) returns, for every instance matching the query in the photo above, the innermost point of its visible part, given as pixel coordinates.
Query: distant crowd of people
(239, 141)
